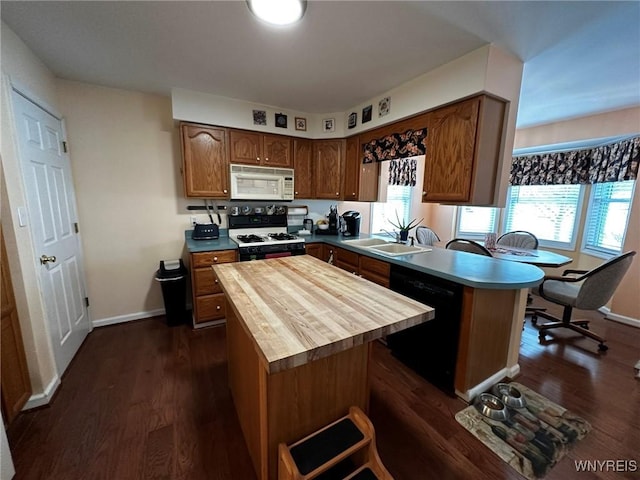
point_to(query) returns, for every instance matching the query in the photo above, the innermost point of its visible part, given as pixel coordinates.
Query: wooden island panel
(299, 335)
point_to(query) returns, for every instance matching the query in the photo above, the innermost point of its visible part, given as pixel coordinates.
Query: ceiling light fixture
(278, 12)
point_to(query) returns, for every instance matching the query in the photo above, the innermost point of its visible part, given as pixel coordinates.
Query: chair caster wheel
(602, 347)
(534, 320)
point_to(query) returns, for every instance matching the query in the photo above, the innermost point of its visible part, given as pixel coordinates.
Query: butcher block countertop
(298, 309)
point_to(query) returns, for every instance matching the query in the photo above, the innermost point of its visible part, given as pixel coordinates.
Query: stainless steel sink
(393, 249)
(366, 242)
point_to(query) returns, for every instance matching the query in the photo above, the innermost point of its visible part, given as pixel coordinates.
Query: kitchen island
(298, 346)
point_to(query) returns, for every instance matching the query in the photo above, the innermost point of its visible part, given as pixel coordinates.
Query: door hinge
(86, 301)
(75, 227)
(64, 147)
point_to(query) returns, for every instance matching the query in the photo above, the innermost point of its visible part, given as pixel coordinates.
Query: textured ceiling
(580, 57)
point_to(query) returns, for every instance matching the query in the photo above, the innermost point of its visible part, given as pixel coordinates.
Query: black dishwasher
(430, 348)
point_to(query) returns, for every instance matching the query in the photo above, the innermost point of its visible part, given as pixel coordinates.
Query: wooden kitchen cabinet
(302, 164)
(14, 375)
(253, 148)
(374, 270)
(208, 299)
(360, 179)
(205, 159)
(314, 249)
(463, 151)
(347, 260)
(328, 168)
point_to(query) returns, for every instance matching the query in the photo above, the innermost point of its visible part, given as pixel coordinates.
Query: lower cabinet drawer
(376, 267)
(205, 282)
(375, 278)
(209, 307)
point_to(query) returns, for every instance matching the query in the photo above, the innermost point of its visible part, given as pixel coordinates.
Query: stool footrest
(324, 454)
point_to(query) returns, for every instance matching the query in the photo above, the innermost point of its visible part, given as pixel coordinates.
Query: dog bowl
(491, 406)
(510, 395)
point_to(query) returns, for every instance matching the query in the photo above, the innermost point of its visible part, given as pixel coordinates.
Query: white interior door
(53, 219)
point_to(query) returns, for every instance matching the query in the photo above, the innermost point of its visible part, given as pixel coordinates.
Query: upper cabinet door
(246, 147)
(450, 153)
(328, 168)
(303, 179)
(205, 161)
(277, 151)
(464, 148)
(352, 169)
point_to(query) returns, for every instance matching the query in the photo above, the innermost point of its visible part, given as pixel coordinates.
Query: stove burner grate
(250, 238)
(282, 236)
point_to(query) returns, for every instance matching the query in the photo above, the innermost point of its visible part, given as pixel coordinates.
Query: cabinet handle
(218, 307)
(353, 194)
(337, 194)
(216, 281)
(215, 259)
(258, 159)
(266, 159)
(224, 191)
(424, 193)
(296, 193)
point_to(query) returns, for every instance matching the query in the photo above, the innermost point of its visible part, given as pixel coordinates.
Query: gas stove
(263, 236)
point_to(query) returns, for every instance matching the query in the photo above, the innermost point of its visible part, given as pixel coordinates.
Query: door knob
(44, 259)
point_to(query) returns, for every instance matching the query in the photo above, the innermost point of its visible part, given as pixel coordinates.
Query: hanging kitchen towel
(403, 172)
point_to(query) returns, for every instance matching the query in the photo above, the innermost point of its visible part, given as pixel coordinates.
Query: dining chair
(426, 236)
(583, 289)
(518, 239)
(467, 246)
(528, 241)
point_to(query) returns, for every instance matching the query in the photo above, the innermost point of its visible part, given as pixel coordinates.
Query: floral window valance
(397, 145)
(402, 171)
(607, 163)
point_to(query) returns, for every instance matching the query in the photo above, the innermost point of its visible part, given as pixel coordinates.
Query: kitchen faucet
(394, 235)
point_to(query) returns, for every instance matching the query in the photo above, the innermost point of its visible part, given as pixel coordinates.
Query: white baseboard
(513, 372)
(128, 318)
(634, 322)
(484, 385)
(42, 399)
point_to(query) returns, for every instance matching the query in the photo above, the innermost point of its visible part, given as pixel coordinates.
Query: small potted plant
(405, 227)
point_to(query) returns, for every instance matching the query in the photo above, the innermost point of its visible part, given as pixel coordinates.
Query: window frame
(569, 246)
(602, 252)
(477, 236)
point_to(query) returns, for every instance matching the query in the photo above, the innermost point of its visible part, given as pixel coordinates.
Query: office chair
(589, 290)
(467, 246)
(426, 236)
(518, 239)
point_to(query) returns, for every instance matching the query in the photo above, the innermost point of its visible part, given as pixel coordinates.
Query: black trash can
(172, 276)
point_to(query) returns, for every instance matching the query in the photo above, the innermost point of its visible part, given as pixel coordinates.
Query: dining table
(537, 257)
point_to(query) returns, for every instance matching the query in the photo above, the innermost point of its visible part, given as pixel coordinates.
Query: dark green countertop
(469, 269)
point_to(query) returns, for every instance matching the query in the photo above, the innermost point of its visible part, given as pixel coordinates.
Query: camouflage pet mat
(533, 438)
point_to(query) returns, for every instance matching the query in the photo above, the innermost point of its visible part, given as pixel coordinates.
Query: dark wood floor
(145, 401)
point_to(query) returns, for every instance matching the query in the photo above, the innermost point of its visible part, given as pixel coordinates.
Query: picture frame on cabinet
(301, 123)
(353, 119)
(281, 120)
(259, 117)
(328, 125)
(366, 114)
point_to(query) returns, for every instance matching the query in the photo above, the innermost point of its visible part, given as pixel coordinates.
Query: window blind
(547, 211)
(476, 221)
(398, 200)
(608, 214)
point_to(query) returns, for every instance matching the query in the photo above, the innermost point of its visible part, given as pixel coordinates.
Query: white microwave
(261, 183)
